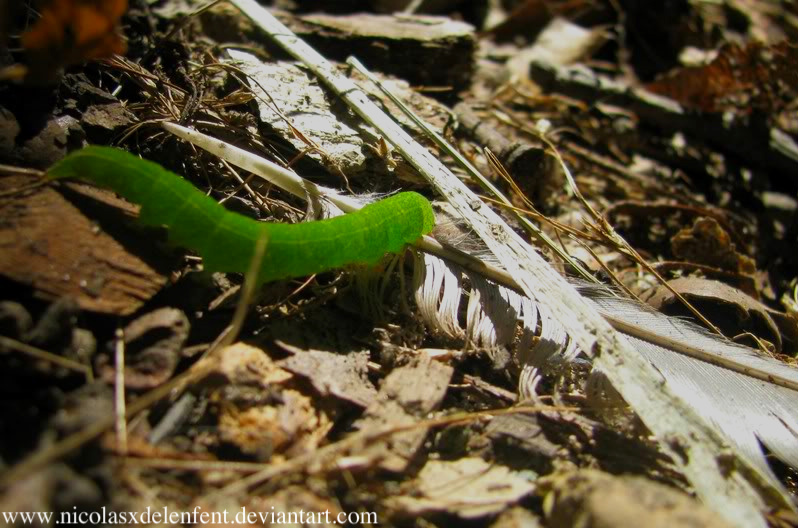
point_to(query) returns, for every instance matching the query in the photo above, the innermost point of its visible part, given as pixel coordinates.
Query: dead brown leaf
(273, 417)
(340, 375)
(469, 488)
(741, 79)
(729, 308)
(707, 243)
(74, 31)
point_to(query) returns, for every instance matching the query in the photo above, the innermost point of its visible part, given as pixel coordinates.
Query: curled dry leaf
(261, 422)
(729, 308)
(153, 343)
(707, 243)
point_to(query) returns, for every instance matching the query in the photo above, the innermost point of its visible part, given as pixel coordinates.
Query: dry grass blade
(472, 171)
(119, 391)
(613, 239)
(37, 353)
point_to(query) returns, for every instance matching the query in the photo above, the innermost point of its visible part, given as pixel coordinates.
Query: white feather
(746, 410)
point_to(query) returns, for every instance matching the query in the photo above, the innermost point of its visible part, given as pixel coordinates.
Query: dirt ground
(648, 151)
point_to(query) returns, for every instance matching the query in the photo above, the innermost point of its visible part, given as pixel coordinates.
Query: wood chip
(50, 245)
(426, 50)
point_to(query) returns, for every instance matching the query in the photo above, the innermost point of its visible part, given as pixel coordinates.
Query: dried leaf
(746, 312)
(707, 243)
(73, 31)
(242, 364)
(742, 79)
(468, 488)
(260, 422)
(339, 375)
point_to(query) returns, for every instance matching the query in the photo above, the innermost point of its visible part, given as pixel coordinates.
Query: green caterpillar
(226, 240)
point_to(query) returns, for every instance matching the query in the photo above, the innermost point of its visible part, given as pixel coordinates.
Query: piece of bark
(425, 50)
(407, 395)
(48, 243)
(346, 144)
(283, 89)
(746, 137)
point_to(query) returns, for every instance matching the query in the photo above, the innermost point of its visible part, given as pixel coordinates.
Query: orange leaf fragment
(73, 31)
(739, 79)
